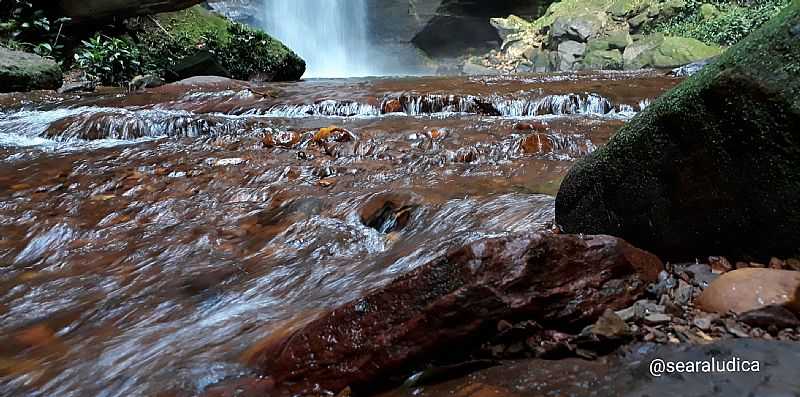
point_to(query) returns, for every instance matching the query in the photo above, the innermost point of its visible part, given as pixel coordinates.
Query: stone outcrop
(710, 168)
(451, 304)
(94, 10)
(22, 71)
(611, 30)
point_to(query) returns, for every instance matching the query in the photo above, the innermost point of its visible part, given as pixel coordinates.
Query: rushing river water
(147, 240)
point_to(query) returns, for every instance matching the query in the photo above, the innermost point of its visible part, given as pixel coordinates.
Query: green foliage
(252, 50)
(733, 23)
(108, 59)
(26, 27)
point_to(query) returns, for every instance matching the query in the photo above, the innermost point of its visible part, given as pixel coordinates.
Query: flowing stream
(148, 240)
(330, 35)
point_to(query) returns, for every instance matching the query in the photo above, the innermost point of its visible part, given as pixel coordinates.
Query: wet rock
(201, 63)
(532, 126)
(140, 83)
(241, 387)
(720, 264)
(334, 134)
(561, 281)
(389, 212)
(773, 317)
(22, 71)
(692, 68)
(77, 86)
(743, 290)
(535, 144)
(392, 106)
(661, 183)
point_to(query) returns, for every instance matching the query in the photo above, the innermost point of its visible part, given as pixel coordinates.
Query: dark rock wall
(453, 27)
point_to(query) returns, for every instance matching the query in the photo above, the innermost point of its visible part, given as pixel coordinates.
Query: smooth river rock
(453, 303)
(710, 168)
(749, 289)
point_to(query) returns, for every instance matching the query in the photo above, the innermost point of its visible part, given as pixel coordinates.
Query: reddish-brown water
(147, 240)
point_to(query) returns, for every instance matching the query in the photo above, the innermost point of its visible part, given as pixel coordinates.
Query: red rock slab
(448, 306)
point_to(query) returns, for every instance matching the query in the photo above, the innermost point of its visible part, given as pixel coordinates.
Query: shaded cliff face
(440, 28)
(453, 27)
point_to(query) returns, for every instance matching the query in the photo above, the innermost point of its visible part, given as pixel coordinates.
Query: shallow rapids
(148, 240)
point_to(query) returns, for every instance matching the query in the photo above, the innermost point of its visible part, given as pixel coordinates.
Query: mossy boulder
(612, 41)
(710, 168)
(207, 43)
(22, 71)
(624, 8)
(708, 11)
(602, 59)
(657, 51)
(578, 27)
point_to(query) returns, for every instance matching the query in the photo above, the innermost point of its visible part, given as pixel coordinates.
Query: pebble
(704, 323)
(684, 293)
(657, 318)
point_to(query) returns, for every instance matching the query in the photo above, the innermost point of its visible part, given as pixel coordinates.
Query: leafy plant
(732, 24)
(110, 60)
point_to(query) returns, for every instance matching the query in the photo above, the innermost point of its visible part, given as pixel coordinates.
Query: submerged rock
(451, 304)
(711, 167)
(22, 71)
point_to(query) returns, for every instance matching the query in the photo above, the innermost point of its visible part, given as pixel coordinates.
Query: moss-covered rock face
(21, 71)
(603, 59)
(196, 41)
(667, 52)
(712, 167)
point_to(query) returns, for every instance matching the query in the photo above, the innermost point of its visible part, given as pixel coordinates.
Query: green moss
(719, 22)
(603, 59)
(243, 51)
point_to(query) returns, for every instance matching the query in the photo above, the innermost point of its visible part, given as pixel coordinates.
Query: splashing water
(331, 35)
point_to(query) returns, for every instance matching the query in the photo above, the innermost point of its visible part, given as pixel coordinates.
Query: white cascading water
(331, 35)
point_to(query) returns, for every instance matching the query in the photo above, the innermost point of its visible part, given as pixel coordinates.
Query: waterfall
(331, 35)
